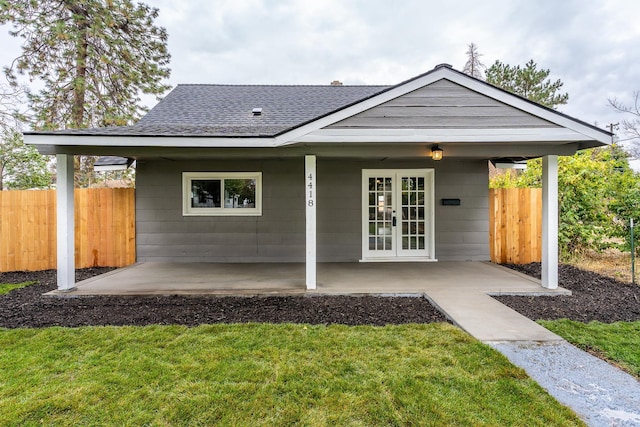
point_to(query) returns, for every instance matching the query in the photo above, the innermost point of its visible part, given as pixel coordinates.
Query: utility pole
(613, 127)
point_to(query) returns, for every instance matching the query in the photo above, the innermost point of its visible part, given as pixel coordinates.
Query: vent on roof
(443, 66)
(257, 111)
(336, 83)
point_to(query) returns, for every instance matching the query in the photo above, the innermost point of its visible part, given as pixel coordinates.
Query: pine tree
(474, 66)
(94, 59)
(528, 82)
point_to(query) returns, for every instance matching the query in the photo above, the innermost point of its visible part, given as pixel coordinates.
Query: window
(222, 193)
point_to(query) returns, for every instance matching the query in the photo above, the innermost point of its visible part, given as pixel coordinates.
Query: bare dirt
(595, 297)
(26, 307)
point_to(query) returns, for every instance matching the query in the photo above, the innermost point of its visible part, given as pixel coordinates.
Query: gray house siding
(164, 234)
(442, 105)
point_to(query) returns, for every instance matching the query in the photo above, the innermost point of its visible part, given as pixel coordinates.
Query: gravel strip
(601, 394)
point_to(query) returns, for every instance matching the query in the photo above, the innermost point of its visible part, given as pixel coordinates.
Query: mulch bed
(27, 307)
(595, 297)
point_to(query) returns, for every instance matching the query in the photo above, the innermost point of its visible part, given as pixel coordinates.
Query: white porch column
(550, 222)
(65, 223)
(310, 219)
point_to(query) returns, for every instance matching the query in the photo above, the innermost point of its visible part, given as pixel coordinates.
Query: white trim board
(147, 141)
(442, 135)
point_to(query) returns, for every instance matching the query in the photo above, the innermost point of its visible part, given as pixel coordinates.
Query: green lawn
(617, 342)
(261, 374)
(5, 288)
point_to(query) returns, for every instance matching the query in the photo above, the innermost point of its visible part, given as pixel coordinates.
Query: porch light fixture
(436, 152)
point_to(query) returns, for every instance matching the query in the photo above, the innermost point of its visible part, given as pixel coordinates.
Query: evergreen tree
(94, 59)
(474, 66)
(528, 82)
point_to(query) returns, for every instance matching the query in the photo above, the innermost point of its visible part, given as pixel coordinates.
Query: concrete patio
(460, 289)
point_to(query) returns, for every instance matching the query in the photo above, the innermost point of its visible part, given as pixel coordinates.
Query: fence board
(104, 228)
(515, 229)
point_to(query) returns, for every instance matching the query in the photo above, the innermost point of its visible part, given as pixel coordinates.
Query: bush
(597, 194)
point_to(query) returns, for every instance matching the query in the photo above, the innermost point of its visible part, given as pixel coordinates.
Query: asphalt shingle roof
(226, 110)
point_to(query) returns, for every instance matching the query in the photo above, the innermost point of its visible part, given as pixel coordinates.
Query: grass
(610, 263)
(261, 374)
(5, 288)
(615, 342)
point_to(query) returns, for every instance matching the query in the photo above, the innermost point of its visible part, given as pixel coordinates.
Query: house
(323, 173)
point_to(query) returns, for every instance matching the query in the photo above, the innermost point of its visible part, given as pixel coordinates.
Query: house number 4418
(310, 200)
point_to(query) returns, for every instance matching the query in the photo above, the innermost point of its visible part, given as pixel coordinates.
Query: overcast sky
(591, 45)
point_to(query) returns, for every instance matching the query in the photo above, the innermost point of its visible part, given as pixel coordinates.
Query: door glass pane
(413, 213)
(380, 200)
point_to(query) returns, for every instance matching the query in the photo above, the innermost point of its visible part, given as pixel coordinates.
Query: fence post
(633, 255)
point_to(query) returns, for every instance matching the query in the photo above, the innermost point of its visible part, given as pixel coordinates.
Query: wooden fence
(104, 228)
(515, 225)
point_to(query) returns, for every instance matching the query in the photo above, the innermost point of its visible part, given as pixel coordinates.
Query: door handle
(394, 221)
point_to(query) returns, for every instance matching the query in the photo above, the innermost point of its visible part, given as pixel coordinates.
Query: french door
(397, 214)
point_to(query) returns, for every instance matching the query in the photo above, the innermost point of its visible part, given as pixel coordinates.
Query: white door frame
(397, 254)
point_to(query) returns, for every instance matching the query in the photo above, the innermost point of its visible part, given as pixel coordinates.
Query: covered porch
(461, 290)
(379, 174)
(408, 278)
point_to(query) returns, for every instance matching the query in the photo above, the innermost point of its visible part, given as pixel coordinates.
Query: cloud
(591, 46)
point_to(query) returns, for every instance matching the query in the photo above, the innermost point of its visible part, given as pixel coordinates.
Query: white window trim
(187, 210)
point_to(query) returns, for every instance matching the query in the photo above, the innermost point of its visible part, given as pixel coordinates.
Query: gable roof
(227, 110)
(222, 115)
